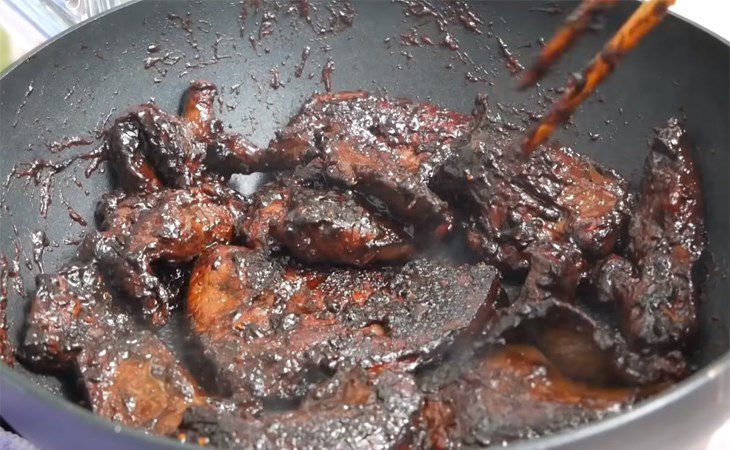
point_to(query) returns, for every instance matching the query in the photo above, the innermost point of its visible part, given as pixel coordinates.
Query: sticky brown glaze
(7, 349)
(354, 410)
(556, 269)
(511, 203)
(269, 206)
(232, 153)
(69, 310)
(136, 381)
(226, 152)
(584, 346)
(126, 153)
(149, 148)
(301, 350)
(658, 294)
(116, 212)
(197, 110)
(332, 226)
(513, 393)
(269, 326)
(592, 199)
(321, 225)
(383, 148)
(173, 226)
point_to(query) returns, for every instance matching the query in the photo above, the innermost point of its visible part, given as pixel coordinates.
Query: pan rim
(718, 368)
(31, 54)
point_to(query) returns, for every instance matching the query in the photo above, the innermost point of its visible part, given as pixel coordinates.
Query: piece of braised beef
(512, 393)
(385, 149)
(173, 226)
(512, 202)
(657, 288)
(354, 410)
(135, 380)
(270, 326)
(324, 225)
(69, 310)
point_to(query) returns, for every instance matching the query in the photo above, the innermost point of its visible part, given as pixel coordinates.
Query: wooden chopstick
(643, 20)
(573, 26)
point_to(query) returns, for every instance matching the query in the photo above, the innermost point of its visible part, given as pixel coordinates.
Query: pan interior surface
(150, 51)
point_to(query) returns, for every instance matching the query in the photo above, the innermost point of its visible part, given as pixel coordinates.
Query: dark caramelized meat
(269, 326)
(268, 208)
(127, 154)
(385, 149)
(135, 380)
(658, 298)
(510, 204)
(313, 333)
(69, 310)
(513, 393)
(555, 271)
(324, 225)
(412, 137)
(149, 148)
(592, 199)
(232, 153)
(354, 410)
(584, 346)
(331, 226)
(118, 211)
(549, 213)
(172, 226)
(226, 153)
(198, 111)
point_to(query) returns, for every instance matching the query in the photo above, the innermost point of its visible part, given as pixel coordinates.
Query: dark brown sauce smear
(72, 213)
(450, 42)
(66, 143)
(19, 260)
(274, 81)
(447, 17)
(513, 64)
(199, 59)
(300, 67)
(327, 71)
(154, 62)
(42, 173)
(324, 18)
(553, 10)
(23, 103)
(40, 242)
(444, 14)
(6, 349)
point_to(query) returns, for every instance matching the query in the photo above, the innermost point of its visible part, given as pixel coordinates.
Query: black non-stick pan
(70, 86)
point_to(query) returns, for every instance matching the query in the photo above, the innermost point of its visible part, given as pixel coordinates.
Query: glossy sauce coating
(352, 297)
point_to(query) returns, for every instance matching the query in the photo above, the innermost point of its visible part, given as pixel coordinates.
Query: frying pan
(97, 69)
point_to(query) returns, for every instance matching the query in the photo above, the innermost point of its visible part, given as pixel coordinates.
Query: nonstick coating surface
(99, 68)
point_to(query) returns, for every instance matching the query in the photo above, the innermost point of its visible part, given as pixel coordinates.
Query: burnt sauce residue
(42, 173)
(511, 61)
(327, 71)
(6, 348)
(300, 67)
